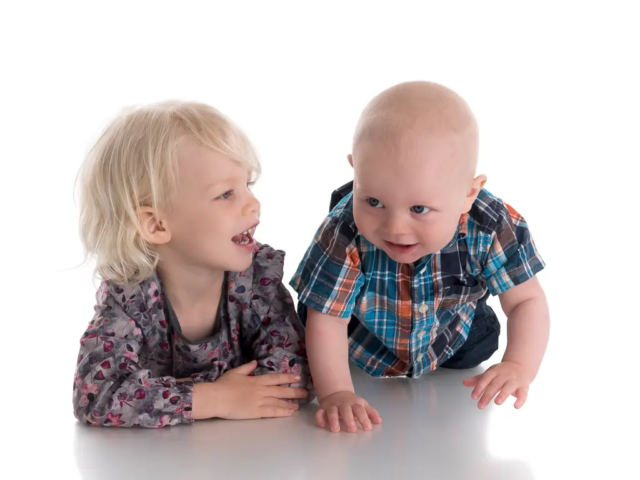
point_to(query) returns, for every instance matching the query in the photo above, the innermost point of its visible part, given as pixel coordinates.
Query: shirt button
(423, 308)
(419, 358)
(421, 333)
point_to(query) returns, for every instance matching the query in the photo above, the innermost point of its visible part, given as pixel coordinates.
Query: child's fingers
(347, 417)
(491, 391)
(267, 411)
(507, 390)
(286, 392)
(373, 414)
(321, 418)
(334, 419)
(521, 395)
(245, 369)
(276, 402)
(483, 382)
(362, 416)
(276, 379)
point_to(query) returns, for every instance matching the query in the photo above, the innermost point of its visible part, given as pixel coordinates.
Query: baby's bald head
(414, 156)
(413, 113)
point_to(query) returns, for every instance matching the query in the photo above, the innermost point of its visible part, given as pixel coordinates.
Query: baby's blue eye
(419, 209)
(374, 202)
(226, 195)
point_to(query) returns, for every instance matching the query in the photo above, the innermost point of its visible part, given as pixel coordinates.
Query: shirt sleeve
(329, 277)
(512, 258)
(111, 388)
(274, 332)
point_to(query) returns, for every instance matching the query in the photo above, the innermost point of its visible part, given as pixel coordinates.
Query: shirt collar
(460, 234)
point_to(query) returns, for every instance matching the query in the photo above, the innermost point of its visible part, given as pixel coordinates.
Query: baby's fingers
(334, 418)
(507, 390)
(321, 418)
(491, 391)
(521, 395)
(471, 381)
(373, 414)
(483, 382)
(362, 416)
(347, 418)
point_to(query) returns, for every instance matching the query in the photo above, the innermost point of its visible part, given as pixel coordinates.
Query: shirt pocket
(457, 292)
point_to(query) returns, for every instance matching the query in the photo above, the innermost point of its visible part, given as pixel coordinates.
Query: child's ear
(153, 228)
(472, 194)
(350, 158)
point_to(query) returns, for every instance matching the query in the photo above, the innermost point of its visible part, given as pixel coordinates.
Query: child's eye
(226, 195)
(420, 209)
(251, 183)
(375, 203)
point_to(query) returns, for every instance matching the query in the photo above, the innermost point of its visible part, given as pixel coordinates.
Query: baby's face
(213, 208)
(408, 197)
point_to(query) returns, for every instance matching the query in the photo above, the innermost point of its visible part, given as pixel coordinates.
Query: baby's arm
(527, 314)
(512, 263)
(328, 348)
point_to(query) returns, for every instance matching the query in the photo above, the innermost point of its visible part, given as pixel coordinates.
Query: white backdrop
(554, 86)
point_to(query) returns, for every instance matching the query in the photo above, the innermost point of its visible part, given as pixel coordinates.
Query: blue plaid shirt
(413, 317)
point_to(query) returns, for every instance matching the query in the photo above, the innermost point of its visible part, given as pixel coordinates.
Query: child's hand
(346, 405)
(508, 378)
(236, 395)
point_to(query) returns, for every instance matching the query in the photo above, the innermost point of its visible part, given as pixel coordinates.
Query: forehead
(200, 165)
(420, 171)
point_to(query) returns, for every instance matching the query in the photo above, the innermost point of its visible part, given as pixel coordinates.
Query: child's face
(213, 208)
(409, 195)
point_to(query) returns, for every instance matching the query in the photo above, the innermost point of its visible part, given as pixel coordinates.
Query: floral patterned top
(133, 351)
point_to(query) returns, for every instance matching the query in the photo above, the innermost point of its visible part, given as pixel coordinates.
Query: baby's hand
(508, 378)
(346, 405)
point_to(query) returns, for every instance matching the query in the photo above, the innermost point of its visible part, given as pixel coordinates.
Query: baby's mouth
(401, 248)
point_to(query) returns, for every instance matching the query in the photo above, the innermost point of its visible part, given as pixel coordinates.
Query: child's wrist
(206, 401)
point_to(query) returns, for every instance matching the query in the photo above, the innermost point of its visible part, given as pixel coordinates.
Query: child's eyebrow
(218, 182)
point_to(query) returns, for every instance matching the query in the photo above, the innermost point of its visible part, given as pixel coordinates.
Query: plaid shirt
(413, 317)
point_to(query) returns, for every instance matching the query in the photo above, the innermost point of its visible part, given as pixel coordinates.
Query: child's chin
(241, 265)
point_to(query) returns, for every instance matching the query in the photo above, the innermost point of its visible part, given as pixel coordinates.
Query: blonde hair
(133, 165)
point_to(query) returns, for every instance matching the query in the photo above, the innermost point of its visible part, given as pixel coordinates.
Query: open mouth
(401, 248)
(245, 238)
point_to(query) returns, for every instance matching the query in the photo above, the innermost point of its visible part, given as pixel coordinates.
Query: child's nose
(252, 207)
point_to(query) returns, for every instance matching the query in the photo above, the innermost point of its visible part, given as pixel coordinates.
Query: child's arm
(273, 334)
(328, 349)
(276, 337)
(111, 388)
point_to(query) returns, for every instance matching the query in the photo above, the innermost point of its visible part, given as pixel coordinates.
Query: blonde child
(398, 274)
(192, 320)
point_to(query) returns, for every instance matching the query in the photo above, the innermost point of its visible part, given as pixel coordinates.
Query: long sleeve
(112, 387)
(274, 333)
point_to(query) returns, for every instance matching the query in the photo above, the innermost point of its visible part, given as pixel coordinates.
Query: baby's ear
(350, 158)
(472, 194)
(153, 228)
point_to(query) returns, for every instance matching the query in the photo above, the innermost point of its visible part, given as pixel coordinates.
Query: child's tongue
(242, 238)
